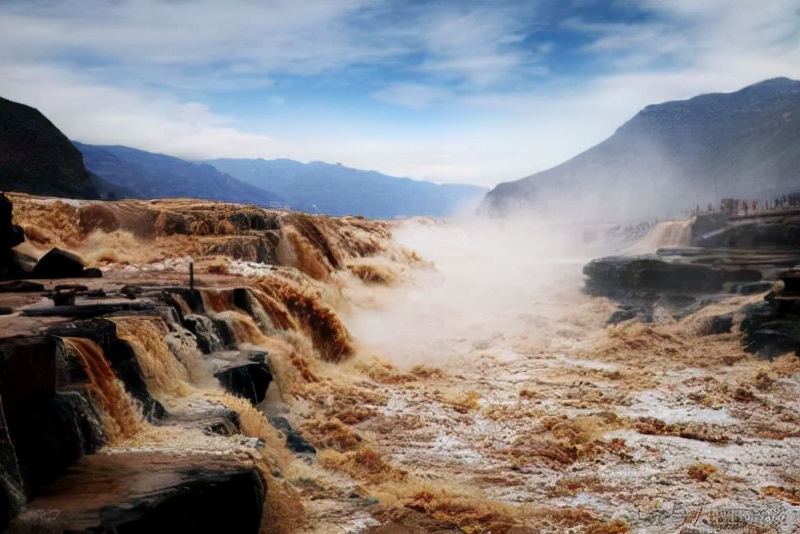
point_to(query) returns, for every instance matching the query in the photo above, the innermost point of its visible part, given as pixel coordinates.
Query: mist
(490, 281)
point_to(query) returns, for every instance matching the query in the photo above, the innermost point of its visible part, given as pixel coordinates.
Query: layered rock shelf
(726, 256)
(127, 399)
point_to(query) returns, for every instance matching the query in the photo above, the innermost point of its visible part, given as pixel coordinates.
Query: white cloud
(135, 73)
(412, 95)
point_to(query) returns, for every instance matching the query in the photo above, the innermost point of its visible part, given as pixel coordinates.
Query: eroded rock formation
(130, 359)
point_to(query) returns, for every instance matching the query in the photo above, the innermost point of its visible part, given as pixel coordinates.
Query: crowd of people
(736, 206)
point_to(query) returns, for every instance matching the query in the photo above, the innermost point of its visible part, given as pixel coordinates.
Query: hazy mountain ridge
(150, 175)
(672, 156)
(340, 190)
(36, 157)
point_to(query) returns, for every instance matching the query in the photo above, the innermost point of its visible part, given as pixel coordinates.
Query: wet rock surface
(294, 440)
(53, 421)
(249, 380)
(649, 276)
(137, 492)
(728, 256)
(772, 326)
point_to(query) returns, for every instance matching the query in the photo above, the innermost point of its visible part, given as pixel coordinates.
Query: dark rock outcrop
(249, 380)
(779, 229)
(50, 434)
(138, 492)
(11, 235)
(295, 442)
(647, 285)
(59, 263)
(48, 402)
(35, 157)
(772, 326)
(719, 324)
(12, 495)
(628, 276)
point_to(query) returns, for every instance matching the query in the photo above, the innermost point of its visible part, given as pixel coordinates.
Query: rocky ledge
(146, 492)
(53, 432)
(677, 281)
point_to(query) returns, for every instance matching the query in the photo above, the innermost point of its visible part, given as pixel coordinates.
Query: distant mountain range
(312, 187)
(139, 174)
(339, 190)
(36, 157)
(673, 156)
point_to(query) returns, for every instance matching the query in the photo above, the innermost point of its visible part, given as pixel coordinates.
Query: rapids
(451, 374)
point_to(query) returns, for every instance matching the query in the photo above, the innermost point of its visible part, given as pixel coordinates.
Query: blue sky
(472, 91)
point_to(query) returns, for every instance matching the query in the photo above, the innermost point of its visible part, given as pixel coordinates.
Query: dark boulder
(295, 442)
(249, 380)
(132, 493)
(769, 331)
(10, 236)
(719, 324)
(27, 370)
(58, 264)
(772, 326)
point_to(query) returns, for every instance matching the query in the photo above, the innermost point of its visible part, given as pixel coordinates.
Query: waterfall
(164, 372)
(121, 416)
(664, 234)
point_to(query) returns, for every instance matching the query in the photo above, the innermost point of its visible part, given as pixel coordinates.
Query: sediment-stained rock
(249, 380)
(12, 494)
(628, 276)
(772, 326)
(140, 492)
(295, 442)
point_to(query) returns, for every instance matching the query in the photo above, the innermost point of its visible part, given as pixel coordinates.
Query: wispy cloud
(447, 90)
(412, 95)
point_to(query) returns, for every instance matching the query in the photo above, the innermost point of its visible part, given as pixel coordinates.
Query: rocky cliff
(35, 157)
(671, 157)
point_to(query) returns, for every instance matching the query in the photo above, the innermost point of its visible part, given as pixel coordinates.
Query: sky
(470, 91)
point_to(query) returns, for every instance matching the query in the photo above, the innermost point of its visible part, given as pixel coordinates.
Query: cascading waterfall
(121, 416)
(244, 329)
(263, 319)
(164, 372)
(664, 234)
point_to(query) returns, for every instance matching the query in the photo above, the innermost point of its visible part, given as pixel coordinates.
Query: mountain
(319, 187)
(674, 156)
(143, 174)
(35, 157)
